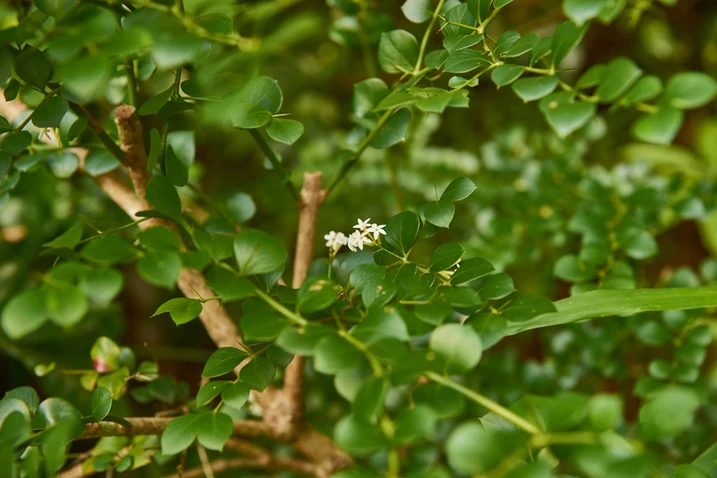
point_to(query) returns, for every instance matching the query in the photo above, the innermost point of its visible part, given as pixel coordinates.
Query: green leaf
(523, 45)
(105, 355)
(565, 38)
(689, 471)
(175, 169)
(159, 238)
(109, 250)
(155, 103)
(248, 116)
(369, 401)
(459, 42)
(471, 269)
(501, 3)
(211, 390)
(380, 324)
(69, 239)
(160, 268)
(527, 307)
(357, 437)
(566, 118)
(263, 92)
(506, 74)
(456, 13)
(463, 61)
(368, 94)
(402, 231)
(258, 373)
(333, 355)
(535, 88)
(445, 256)
(228, 284)
(216, 23)
(63, 164)
(179, 434)
(302, 342)
(100, 161)
(637, 243)
(660, 127)
(316, 294)
(458, 189)
(213, 430)
(101, 403)
(257, 252)
(505, 42)
(181, 309)
(458, 345)
(473, 449)
(66, 305)
(285, 131)
(223, 361)
(50, 113)
(617, 77)
(393, 131)
(497, 287)
(17, 142)
(606, 303)
(217, 246)
(417, 11)
(479, 8)
(24, 313)
(33, 67)
(415, 425)
(580, 11)
(262, 327)
(690, 89)
(572, 269)
(397, 51)
(155, 149)
(646, 88)
(162, 195)
(26, 394)
(439, 213)
(605, 412)
(236, 395)
(668, 412)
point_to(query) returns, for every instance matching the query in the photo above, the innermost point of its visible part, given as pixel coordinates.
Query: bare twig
(132, 143)
(206, 465)
(156, 425)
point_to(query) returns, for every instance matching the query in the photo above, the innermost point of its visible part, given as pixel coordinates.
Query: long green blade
(606, 303)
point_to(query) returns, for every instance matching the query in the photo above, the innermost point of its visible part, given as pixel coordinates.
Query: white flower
(362, 225)
(376, 230)
(334, 240)
(356, 241)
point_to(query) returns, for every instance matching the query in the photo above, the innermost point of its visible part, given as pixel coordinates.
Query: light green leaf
(393, 131)
(439, 213)
(458, 345)
(417, 11)
(160, 268)
(257, 252)
(285, 131)
(535, 88)
(248, 116)
(463, 61)
(181, 309)
(211, 390)
(236, 395)
(24, 313)
(660, 127)
(101, 403)
(213, 430)
(617, 77)
(397, 51)
(358, 437)
(68, 239)
(565, 38)
(646, 88)
(66, 305)
(179, 434)
(458, 189)
(565, 118)
(263, 92)
(690, 89)
(580, 11)
(222, 361)
(606, 303)
(506, 74)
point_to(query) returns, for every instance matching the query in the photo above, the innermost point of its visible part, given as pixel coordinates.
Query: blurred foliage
(587, 129)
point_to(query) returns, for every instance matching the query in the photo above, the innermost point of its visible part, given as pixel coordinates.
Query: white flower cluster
(365, 233)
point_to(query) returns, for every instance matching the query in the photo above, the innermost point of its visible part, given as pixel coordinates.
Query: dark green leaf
(258, 252)
(162, 195)
(101, 403)
(50, 113)
(458, 189)
(33, 67)
(397, 51)
(181, 309)
(258, 373)
(402, 231)
(393, 131)
(222, 361)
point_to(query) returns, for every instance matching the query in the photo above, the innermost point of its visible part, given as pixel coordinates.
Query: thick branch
(132, 143)
(267, 463)
(156, 425)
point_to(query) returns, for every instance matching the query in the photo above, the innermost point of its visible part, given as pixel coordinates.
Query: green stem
(112, 231)
(375, 365)
(101, 134)
(274, 160)
(485, 402)
(297, 319)
(362, 147)
(426, 35)
(132, 87)
(486, 22)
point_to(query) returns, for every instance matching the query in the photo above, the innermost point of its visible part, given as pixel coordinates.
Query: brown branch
(132, 143)
(156, 425)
